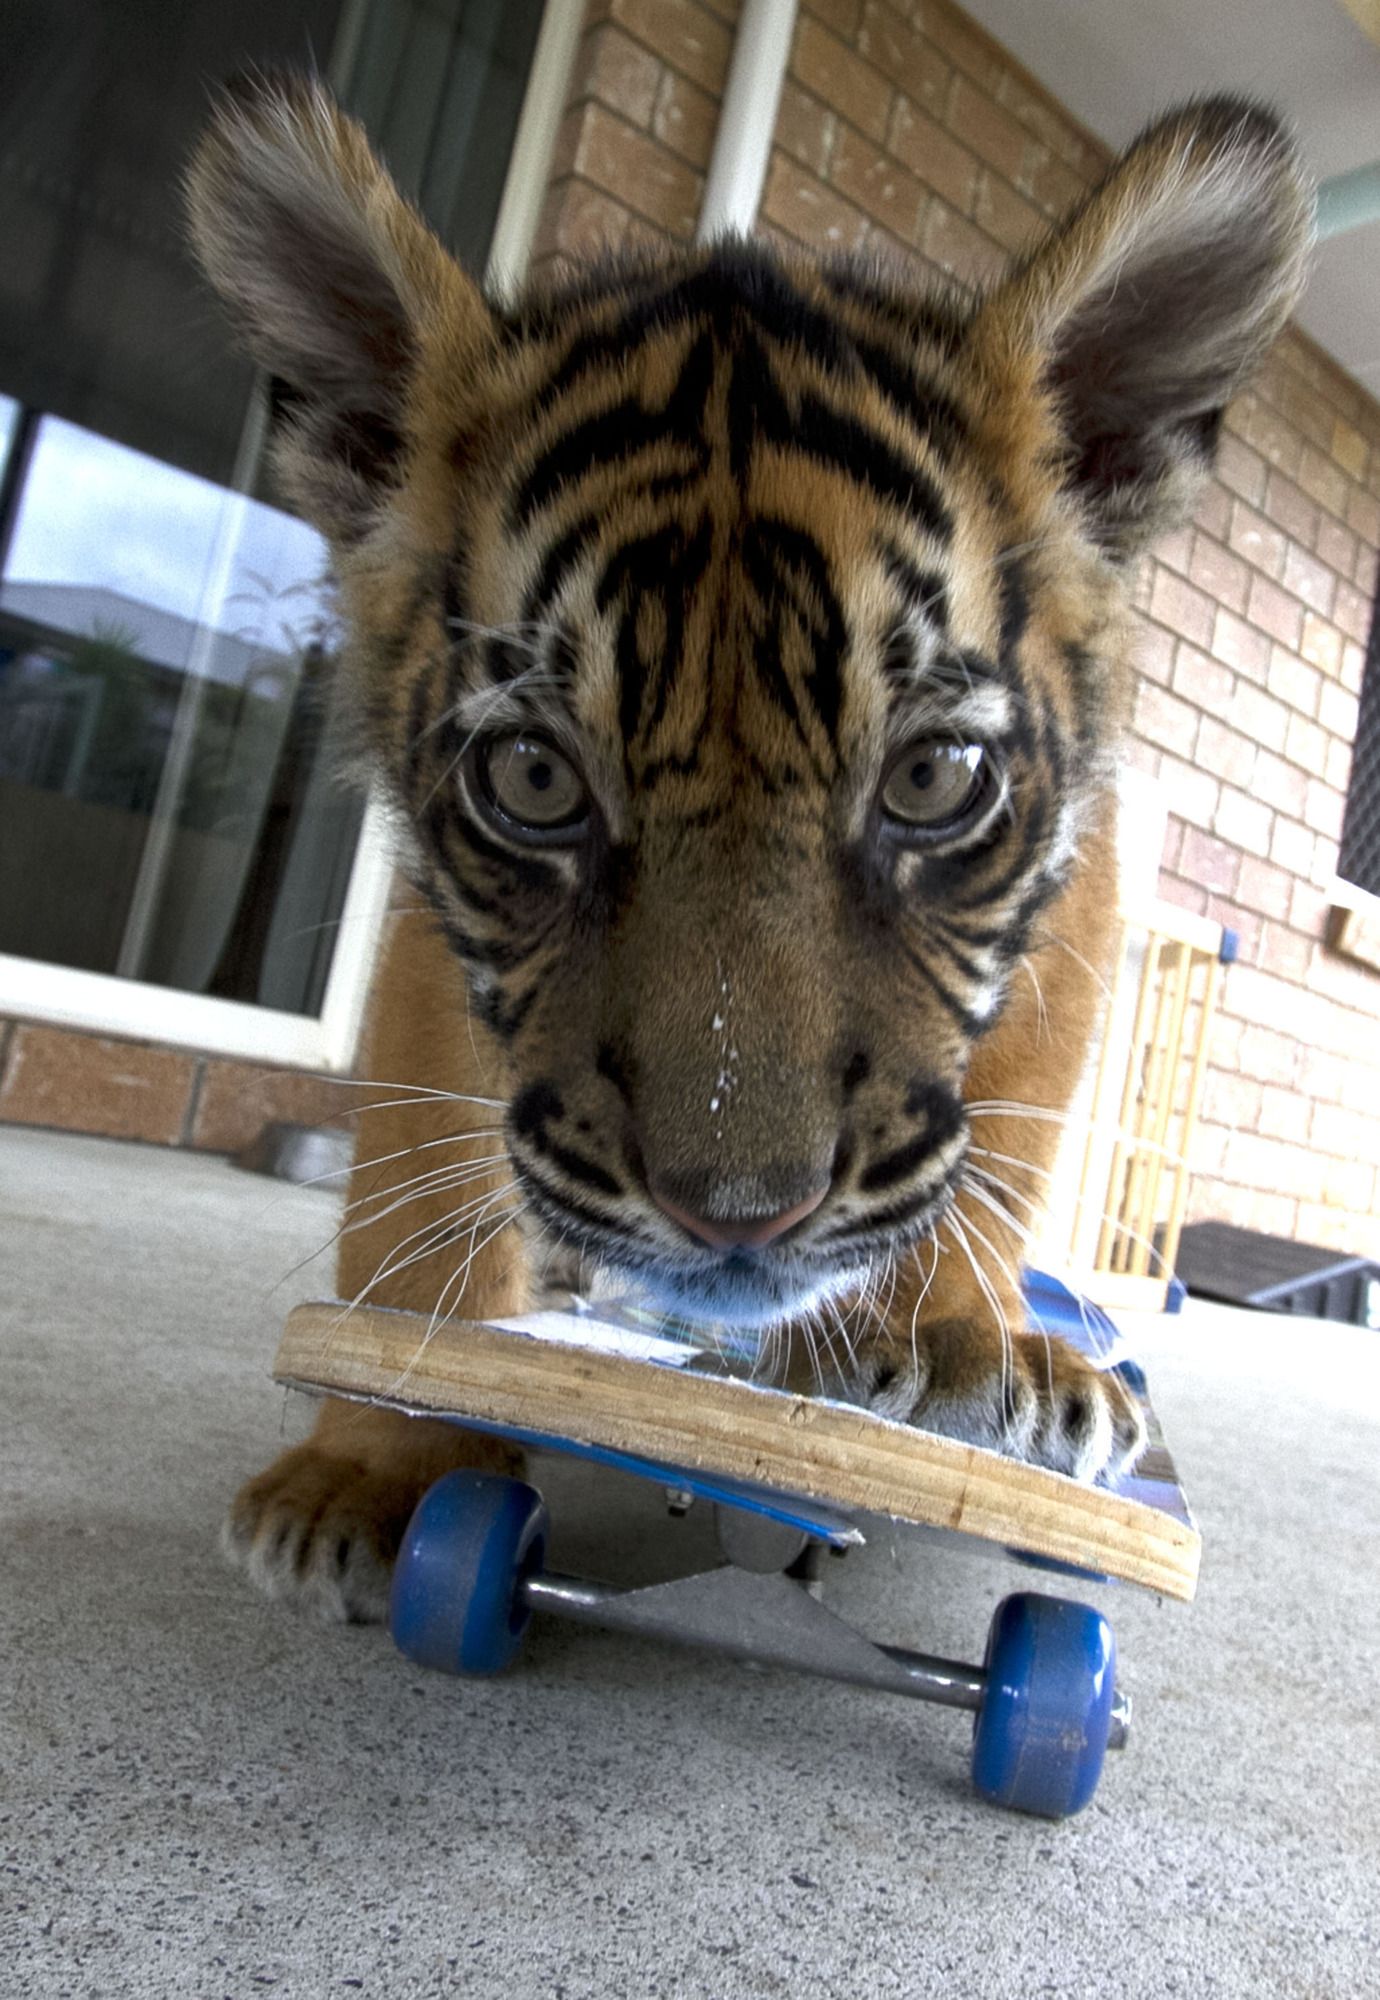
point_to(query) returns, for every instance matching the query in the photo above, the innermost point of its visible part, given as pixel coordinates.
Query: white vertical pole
(742, 144)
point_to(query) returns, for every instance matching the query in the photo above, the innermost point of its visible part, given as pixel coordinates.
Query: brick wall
(905, 126)
(639, 126)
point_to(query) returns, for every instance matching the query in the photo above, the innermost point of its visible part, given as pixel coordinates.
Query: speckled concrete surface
(203, 1797)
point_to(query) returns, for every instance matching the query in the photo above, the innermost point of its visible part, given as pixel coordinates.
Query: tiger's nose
(748, 1232)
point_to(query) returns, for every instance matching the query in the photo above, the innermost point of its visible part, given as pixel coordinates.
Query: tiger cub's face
(741, 642)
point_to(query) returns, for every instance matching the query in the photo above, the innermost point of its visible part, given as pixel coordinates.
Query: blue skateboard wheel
(1041, 1733)
(456, 1601)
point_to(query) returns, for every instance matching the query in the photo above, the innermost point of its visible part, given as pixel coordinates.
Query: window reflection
(164, 809)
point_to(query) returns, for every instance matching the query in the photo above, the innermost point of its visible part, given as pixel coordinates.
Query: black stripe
(832, 437)
(972, 1024)
(560, 559)
(924, 590)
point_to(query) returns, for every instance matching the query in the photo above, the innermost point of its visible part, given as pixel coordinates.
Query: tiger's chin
(740, 1291)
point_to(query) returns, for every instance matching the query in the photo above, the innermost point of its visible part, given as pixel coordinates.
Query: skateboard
(789, 1478)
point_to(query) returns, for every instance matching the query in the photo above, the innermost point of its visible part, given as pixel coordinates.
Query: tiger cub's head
(740, 638)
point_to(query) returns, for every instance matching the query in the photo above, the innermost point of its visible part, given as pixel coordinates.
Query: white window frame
(61, 995)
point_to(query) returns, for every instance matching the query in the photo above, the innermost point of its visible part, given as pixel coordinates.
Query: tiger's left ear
(1147, 312)
(336, 284)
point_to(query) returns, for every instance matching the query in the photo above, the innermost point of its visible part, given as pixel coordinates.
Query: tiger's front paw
(1032, 1398)
(321, 1527)
(320, 1532)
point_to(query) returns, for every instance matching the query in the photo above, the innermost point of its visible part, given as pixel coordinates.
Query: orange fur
(745, 545)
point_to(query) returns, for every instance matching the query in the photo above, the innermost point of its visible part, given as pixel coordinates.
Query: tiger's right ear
(336, 285)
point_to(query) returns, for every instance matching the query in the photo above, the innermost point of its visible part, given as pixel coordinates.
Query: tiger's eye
(532, 783)
(935, 785)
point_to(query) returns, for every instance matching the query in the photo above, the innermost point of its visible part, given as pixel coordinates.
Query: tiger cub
(740, 639)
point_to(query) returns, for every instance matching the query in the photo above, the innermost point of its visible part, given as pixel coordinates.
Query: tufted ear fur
(1149, 309)
(335, 282)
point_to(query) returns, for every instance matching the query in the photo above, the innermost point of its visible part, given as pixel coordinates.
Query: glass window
(169, 809)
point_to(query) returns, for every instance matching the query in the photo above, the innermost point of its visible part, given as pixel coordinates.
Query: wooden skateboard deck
(611, 1388)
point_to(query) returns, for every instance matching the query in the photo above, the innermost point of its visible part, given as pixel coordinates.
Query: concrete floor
(204, 1797)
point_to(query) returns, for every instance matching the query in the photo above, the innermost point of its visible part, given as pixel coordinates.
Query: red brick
(578, 221)
(1221, 574)
(1274, 611)
(1046, 119)
(1338, 768)
(1273, 436)
(1349, 449)
(1268, 1055)
(1284, 1114)
(1308, 411)
(842, 16)
(987, 130)
(1324, 481)
(96, 1083)
(905, 57)
(1015, 222)
(959, 248)
(805, 128)
(1310, 580)
(1291, 509)
(1350, 1183)
(878, 184)
(1257, 540)
(808, 211)
(1186, 611)
(1324, 1077)
(1284, 954)
(1153, 654)
(1201, 680)
(1188, 790)
(1321, 645)
(1243, 822)
(1363, 514)
(842, 79)
(946, 168)
(1239, 646)
(1259, 716)
(1293, 680)
(634, 169)
(1352, 612)
(1264, 887)
(686, 119)
(1184, 895)
(1306, 744)
(619, 72)
(1210, 863)
(1323, 809)
(1241, 470)
(1161, 718)
(237, 1101)
(1053, 184)
(964, 45)
(1279, 784)
(1233, 1101)
(1337, 711)
(682, 34)
(1293, 846)
(1176, 550)
(1337, 546)
(1213, 513)
(1308, 914)
(1225, 752)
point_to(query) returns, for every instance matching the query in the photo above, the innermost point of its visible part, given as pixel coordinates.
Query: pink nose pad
(753, 1232)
